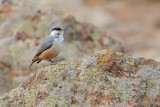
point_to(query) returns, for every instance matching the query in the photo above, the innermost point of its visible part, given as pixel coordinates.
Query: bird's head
(57, 30)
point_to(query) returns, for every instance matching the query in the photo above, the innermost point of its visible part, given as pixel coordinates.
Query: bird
(51, 46)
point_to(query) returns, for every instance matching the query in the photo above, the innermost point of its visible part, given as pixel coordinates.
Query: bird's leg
(56, 60)
(38, 61)
(53, 62)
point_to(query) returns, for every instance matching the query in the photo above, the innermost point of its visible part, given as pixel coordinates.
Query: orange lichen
(77, 74)
(93, 88)
(138, 63)
(78, 63)
(74, 101)
(101, 77)
(137, 69)
(100, 59)
(75, 86)
(103, 72)
(102, 88)
(106, 58)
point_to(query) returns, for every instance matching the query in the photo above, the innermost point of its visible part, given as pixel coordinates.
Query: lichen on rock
(91, 74)
(55, 101)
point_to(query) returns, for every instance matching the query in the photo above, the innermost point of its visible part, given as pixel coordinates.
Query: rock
(106, 78)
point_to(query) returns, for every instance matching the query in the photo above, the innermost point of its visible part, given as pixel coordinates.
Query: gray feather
(48, 42)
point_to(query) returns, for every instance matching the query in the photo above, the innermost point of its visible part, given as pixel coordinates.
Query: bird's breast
(58, 43)
(49, 53)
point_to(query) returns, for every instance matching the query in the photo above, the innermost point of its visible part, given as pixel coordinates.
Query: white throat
(53, 33)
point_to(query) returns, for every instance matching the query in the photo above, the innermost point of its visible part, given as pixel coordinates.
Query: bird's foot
(53, 62)
(56, 60)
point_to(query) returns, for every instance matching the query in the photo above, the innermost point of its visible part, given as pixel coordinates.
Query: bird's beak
(63, 29)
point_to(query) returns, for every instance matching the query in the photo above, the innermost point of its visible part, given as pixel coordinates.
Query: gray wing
(48, 42)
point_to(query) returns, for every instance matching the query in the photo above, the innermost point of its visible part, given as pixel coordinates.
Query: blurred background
(129, 26)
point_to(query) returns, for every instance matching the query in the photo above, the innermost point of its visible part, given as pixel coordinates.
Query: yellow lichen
(54, 71)
(149, 85)
(29, 96)
(55, 101)
(75, 86)
(116, 92)
(100, 59)
(118, 53)
(106, 58)
(102, 88)
(101, 77)
(74, 101)
(129, 60)
(77, 74)
(91, 75)
(102, 52)
(53, 74)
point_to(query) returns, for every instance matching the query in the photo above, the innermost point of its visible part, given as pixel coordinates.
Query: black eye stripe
(56, 29)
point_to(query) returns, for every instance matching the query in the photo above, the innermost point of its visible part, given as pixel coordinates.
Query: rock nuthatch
(51, 46)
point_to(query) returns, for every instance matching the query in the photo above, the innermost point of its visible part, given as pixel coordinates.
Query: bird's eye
(58, 29)
(54, 29)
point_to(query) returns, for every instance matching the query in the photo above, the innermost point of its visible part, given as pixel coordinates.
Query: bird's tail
(33, 61)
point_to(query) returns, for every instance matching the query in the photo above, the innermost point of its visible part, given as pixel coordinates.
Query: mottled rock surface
(106, 78)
